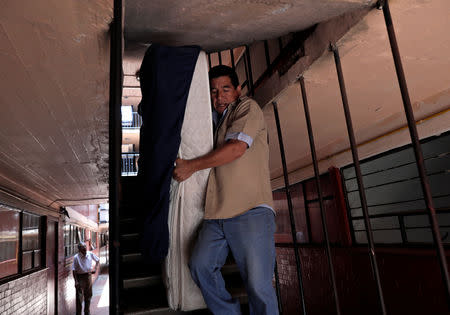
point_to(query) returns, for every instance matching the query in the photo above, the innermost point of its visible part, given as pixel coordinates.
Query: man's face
(82, 250)
(223, 93)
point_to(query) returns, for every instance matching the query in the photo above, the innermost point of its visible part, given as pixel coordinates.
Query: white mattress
(187, 198)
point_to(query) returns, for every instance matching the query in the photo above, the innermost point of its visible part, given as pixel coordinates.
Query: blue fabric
(250, 237)
(165, 78)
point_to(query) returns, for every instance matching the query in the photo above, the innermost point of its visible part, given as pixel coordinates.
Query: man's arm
(96, 267)
(75, 278)
(74, 273)
(97, 262)
(230, 151)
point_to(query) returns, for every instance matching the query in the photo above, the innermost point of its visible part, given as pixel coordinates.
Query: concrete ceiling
(54, 57)
(222, 24)
(373, 92)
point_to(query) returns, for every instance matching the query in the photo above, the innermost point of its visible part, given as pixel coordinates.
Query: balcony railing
(136, 122)
(129, 164)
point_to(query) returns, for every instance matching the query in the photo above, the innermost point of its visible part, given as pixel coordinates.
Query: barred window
(9, 241)
(31, 241)
(72, 236)
(397, 210)
(19, 227)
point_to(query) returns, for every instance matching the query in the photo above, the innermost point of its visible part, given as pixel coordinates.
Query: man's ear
(238, 90)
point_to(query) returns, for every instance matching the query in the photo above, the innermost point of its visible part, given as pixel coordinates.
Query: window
(103, 239)
(93, 240)
(394, 195)
(283, 218)
(9, 241)
(81, 235)
(31, 241)
(17, 226)
(306, 211)
(66, 240)
(69, 240)
(72, 236)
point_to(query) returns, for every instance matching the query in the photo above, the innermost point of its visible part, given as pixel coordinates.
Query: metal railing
(418, 159)
(129, 164)
(133, 124)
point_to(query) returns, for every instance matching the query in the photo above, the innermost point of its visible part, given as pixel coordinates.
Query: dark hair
(221, 70)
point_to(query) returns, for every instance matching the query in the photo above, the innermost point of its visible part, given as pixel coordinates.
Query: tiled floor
(100, 294)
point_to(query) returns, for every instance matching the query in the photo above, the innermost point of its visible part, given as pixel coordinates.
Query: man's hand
(227, 153)
(183, 170)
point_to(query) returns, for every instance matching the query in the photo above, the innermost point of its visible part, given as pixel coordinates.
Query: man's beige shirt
(243, 184)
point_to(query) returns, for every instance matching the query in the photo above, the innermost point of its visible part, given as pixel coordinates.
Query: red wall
(410, 277)
(410, 280)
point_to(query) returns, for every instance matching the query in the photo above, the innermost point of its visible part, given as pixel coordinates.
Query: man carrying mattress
(239, 212)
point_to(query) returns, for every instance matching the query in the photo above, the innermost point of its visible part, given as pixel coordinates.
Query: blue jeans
(250, 239)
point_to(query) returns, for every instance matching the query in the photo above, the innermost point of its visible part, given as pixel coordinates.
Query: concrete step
(142, 282)
(166, 311)
(238, 293)
(130, 225)
(131, 258)
(129, 243)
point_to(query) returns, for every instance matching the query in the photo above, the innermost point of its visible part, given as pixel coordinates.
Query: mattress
(187, 198)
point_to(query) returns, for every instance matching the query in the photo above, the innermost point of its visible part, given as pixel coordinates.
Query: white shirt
(83, 264)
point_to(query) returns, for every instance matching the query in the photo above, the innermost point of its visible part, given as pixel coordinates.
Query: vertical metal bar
(266, 52)
(307, 215)
(290, 208)
(319, 192)
(401, 223)
(219, 54)
(277, 286)
(115, 138)
(209, 61)
(362, 194)
(232, 59)
(250, 72)
(417, 148)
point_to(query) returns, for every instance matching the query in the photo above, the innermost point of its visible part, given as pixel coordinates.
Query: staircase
(142, 290)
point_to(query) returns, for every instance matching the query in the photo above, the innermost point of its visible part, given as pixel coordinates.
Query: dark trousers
(84, 290)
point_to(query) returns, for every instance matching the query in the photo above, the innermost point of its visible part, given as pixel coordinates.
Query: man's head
(82, 248)
(224, 86)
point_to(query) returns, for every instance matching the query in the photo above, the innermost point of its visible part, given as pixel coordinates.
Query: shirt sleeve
(94, 257)
(239, 136)
(247, 122)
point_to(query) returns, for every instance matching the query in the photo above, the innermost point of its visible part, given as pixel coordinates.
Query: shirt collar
(217, 118)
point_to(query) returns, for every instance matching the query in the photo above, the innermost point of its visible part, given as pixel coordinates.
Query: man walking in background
(82, 273)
